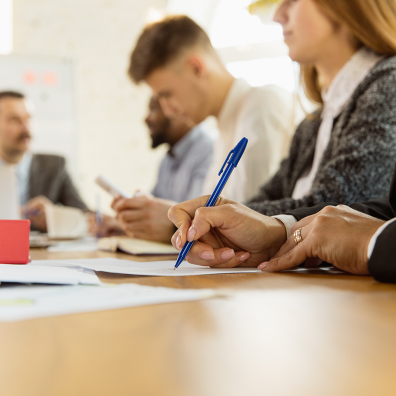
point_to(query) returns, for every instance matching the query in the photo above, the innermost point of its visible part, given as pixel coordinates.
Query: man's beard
(17, 151)
(158, 139)
(161, 134)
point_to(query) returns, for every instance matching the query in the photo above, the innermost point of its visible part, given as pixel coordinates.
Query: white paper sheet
(153, 268)
(83, 245)
(28, 302)
(47, 274)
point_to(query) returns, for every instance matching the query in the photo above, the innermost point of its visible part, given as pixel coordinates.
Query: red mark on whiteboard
(50, 79)
(29, 78)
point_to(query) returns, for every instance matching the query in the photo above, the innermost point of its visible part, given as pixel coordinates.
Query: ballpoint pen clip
(225, 162)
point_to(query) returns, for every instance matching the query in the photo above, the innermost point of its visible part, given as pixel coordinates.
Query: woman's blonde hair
(372, 23)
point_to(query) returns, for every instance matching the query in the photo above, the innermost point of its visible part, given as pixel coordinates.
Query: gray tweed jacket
(358, 162)
(48, 176)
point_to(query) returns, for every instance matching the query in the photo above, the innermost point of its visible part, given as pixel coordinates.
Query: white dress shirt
(22, 171)
(264, 115)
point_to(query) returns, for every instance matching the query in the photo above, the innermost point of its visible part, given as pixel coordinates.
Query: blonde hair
(371, 22)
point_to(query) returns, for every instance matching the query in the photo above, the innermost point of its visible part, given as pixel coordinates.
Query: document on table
(152, 268)
(47, 274)
(28, 302)
(80, 245)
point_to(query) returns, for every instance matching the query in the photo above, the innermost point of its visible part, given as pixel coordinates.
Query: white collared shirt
(264, 115)
(22, 172)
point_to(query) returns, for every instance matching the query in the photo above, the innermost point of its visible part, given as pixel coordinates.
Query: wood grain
(277, 334)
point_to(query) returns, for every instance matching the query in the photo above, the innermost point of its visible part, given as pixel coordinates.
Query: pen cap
(238, 152)
(235, 155)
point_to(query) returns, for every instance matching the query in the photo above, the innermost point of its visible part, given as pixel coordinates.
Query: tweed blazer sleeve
(358, 162)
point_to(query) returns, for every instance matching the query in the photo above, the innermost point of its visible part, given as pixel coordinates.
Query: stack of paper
(59, 275)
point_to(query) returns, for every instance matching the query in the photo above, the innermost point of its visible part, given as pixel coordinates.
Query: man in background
(41, 179)
(182, 172)
(177, 60)
(181, 176)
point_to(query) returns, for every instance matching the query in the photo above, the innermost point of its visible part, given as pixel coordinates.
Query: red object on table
(14, 241)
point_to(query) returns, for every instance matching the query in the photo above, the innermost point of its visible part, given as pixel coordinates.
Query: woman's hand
(338, 235)
(227, 235)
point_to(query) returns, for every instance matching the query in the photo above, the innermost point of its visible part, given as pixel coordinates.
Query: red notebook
(14, 241)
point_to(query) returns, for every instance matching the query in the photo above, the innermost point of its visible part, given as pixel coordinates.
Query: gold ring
(297, 236)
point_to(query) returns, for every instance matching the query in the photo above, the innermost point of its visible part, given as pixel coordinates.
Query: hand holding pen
(227, 235)
(229, 165)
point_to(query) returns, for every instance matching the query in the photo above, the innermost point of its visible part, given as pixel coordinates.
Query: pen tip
(174, 268)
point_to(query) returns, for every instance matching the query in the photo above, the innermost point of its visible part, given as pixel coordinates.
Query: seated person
(344, 153)
(177, 60)
(232, 234)
(41, 179)
(183, 170)
(180, 177)
(175, 57)
(358, 239)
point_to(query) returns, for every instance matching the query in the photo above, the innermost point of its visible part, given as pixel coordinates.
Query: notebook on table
(135, 247)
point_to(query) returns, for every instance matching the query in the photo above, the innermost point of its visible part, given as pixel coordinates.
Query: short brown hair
(11, 94)
(163, 41)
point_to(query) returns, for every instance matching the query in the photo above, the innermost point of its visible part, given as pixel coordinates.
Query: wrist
(278, 234)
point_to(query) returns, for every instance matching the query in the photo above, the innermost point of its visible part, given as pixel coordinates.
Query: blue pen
(232, 160)
(98, 217)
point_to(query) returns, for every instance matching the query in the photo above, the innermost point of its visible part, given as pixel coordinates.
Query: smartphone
(111, 188)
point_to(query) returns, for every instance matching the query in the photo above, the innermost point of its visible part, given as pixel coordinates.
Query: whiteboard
(49, 83)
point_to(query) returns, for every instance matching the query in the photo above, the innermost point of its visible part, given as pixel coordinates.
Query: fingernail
(263, 266)
(227, 254)
(207, 255)
(191, 234)
(178, 241)
(244, 257)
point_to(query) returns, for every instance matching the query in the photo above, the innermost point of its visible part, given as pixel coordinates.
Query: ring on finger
(298, 236)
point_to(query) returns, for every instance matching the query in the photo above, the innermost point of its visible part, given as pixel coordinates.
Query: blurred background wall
(97, 36)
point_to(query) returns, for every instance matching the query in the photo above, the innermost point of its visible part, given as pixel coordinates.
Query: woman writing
(346, 51)
(344, 153)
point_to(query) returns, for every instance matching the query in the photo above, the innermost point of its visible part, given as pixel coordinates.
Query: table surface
(277, 334)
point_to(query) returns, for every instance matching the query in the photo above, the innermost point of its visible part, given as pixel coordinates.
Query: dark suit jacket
(382, 264)
(48, 176)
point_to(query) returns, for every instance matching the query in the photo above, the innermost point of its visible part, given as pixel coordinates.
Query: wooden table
(279, 334)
